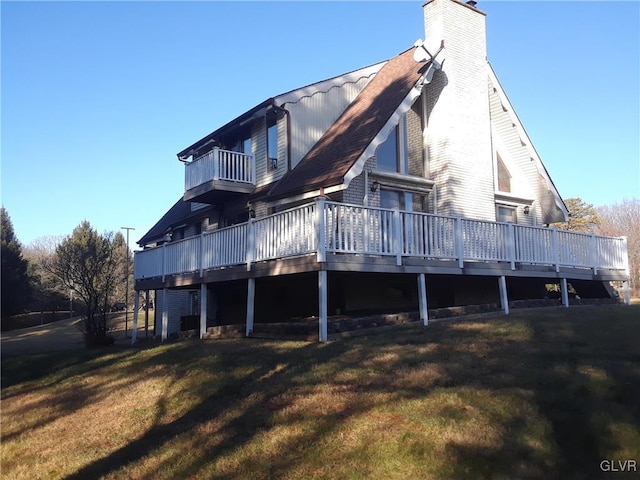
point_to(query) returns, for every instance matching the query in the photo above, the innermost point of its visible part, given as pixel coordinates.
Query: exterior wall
(259, 150)
(525, 180)
(415, 139)
(312, 115)
(265, 176)
(179, 304)
(356, 190)
(458, 123)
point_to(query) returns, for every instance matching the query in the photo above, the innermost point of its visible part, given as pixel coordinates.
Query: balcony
(219, 172)
(354, 236)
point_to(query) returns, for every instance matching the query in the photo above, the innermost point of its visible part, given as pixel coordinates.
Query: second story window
(393, 154)
(504, 177)
(272, 144)
(247, 146)
(242, 143)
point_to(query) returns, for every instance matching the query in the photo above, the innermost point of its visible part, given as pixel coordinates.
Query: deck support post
(627, 292)
(203, 309)
(422, 297)
(504, 299)
(146, 314)
(564, 290)
(165, 314)
(251, 299)
(322, 305)
(136, 307)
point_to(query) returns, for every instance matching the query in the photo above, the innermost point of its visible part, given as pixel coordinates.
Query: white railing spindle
(326, 226)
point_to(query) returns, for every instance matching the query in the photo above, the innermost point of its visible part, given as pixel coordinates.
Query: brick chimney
(458, 123)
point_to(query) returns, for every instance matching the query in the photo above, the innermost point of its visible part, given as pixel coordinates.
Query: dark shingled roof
(180, 211)
(339, 148)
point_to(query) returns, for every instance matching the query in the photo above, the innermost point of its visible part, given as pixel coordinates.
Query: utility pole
(126, 292)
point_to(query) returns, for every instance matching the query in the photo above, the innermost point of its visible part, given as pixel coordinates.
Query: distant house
(399, 185)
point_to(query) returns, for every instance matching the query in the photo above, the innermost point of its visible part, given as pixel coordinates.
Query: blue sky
(98, 97)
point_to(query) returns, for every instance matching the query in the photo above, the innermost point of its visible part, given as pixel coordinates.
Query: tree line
(85, 267)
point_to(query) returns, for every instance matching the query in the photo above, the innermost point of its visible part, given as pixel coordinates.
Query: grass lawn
(544, 393)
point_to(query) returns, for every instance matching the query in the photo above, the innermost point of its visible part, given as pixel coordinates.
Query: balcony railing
(220, 165)
(327, 227)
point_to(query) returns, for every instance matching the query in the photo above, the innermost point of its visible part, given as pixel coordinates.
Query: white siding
(312, 115)
(458, 130)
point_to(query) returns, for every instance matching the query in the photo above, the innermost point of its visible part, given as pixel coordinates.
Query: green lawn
(544, 393)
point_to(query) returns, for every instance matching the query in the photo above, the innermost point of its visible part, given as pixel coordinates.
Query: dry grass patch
(539, 394)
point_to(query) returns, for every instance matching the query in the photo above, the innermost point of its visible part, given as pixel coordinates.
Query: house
(404, 184)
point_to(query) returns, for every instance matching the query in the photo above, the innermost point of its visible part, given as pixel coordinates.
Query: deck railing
(325, 227)
(220, 164)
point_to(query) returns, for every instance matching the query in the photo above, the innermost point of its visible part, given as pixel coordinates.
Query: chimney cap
(472, 3)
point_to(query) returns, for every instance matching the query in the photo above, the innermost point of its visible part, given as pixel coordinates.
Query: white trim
(525, 140)
(304, 196)
(503, 198)
(409, 183)
(382, 135)
(325, 85)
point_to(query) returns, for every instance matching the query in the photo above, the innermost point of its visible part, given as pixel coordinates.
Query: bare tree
(49, 294)
(623, 219)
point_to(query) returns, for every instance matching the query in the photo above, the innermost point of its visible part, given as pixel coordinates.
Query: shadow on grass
(528, 396)
(583, 370)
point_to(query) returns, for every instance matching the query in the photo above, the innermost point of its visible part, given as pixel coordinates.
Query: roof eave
(255, 112)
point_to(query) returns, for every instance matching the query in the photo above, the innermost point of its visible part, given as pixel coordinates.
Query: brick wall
(354, 193)
(415, 140)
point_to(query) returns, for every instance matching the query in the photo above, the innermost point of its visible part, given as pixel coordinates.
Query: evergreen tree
(583, 216)
(87, 262)
(15, 284)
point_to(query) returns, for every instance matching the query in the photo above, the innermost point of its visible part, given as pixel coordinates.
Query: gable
(520, 157)
(328, 161)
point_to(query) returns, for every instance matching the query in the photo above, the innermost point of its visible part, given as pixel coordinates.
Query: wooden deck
(328, 236)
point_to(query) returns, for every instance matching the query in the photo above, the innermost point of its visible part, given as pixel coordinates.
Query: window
(396, 199)
(504, 177)
(393, 154)
(242, 144)
(177, 234)
(247, 146)
(272, 144)
(505, 214)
